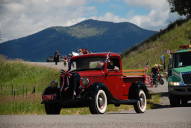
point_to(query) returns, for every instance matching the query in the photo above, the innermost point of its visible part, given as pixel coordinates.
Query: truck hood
(91, 73)
(182, 69)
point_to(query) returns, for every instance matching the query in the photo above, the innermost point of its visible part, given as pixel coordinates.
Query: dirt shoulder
(48, 64)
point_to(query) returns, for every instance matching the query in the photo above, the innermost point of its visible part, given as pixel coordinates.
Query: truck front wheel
(52, 108)
(184, 101)
(141, 105)
(98, 103)
(174, 100)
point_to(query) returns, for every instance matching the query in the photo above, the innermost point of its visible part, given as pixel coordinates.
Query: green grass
(151, 50)
(156, 98)
(29, 104)
(111, 108)
(82, 31)
(17, 82)
(15, 75)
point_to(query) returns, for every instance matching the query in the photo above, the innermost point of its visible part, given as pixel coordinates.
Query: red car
(96, 80)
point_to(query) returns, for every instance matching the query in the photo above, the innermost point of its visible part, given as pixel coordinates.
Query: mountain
(150, 51)
(99, 36)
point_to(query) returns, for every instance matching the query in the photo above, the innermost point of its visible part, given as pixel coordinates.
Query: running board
(128, 102)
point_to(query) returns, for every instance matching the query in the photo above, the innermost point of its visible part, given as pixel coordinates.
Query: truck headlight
(85, 81)
(174, 83)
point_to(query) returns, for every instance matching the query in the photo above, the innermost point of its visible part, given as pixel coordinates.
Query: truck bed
(134, 75)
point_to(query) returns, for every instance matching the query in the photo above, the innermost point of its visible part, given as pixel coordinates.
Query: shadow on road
(164, 96)
(159, 106)
(132, 112)
(164, 104)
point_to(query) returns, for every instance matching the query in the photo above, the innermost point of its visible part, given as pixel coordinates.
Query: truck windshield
(182, 59)
(87, 63)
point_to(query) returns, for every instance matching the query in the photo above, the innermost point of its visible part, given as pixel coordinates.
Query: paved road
(162, 117)
(162, 90)
(159, 118)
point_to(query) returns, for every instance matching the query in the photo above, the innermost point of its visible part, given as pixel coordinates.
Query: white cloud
(110, 17)
(148, 3)
(154, 20)
(20, 18)
(15, 7)
(159, 15)
(23, 17)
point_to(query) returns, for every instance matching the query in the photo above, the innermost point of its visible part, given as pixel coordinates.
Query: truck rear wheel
(52, 108)
(98, 104)
(174, 100)
(161, 81)
(184, 101)
(141, 105)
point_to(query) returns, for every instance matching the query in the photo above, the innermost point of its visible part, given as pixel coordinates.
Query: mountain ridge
(94, 35)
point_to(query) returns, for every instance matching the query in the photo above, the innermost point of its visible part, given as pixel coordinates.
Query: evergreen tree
(182, 7)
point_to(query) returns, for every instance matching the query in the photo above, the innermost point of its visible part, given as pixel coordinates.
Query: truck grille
(187, 78)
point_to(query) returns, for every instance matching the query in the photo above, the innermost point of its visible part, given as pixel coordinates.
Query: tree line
(182, 7)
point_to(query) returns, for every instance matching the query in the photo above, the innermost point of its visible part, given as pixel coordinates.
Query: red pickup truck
(96, 80)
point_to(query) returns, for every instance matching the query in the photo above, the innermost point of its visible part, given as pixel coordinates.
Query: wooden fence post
(12, 89)
(14, 93)
(26, 92)
(34, 90)
(23, 91)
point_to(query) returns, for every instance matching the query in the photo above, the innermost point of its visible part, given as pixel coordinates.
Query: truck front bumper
(180, 90)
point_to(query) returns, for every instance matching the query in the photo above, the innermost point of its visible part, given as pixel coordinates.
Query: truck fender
(97, 86)
(134, 89)
(50, 90)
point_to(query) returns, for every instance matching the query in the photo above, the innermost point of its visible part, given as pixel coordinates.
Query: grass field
(21, 86)
(151, 50)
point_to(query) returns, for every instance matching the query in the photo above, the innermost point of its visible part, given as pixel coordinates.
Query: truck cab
(96, 80)
(179, 76)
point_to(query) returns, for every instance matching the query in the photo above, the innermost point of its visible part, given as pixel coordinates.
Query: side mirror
(180, 64)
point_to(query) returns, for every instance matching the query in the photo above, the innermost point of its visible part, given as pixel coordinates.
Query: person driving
(112, 66)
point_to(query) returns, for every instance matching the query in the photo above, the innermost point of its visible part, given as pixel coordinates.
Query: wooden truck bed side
(134, 72)
(134, 75)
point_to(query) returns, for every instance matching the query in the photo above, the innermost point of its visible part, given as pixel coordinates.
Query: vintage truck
(179, 76)
(96, 80)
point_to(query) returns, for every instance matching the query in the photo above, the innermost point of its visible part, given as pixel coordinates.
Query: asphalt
(159, 118)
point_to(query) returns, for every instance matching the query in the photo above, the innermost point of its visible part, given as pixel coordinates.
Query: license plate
(48, 97)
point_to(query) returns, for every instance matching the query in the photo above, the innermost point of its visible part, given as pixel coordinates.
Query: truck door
(114, 79)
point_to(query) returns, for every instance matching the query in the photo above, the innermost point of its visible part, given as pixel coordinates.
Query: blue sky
(20, 18)
(117, 7)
